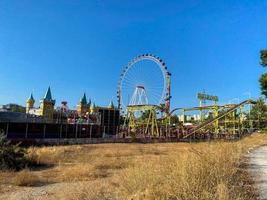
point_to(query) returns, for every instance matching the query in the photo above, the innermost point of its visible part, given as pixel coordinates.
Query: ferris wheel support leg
(148, 123)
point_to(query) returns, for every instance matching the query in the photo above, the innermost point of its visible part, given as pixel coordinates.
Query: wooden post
(7, 127)
(44, 130)
(108, 121)
(66, 131)
(114, 116)
(26, 132)
(90, 132)
(103, 134)
(117, 131)
(60, 131)
(76, 131)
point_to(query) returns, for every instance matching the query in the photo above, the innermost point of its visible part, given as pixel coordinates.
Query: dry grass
(205, 172)
(25, 178)
(149, 171)
(46, 155)
(85, 191)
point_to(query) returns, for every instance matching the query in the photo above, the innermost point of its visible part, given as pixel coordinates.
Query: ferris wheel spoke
(155, 87)
(154, 100)
(154, 91)
(156, 95)
(129, 77)
(128, 87)
(132, 72)
(128, 81)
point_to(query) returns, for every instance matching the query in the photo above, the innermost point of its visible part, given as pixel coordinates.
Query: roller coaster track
(208, 122)
(193, 108)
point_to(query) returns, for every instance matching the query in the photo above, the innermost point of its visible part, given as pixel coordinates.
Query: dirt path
(34, 193)
(258, 161)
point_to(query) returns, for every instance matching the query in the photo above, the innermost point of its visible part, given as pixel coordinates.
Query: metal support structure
(147, 126)
(230, 120)
(216, 114)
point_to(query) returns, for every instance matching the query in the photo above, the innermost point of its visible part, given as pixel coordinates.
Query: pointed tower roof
(93, 106)
(83, 100)
(89, 102)
(31, 98)
(48, 95)
(111, 105)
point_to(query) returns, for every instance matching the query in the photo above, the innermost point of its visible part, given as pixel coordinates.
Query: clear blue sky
(81, 46)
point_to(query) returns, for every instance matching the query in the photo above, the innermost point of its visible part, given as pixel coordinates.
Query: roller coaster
(146, 82)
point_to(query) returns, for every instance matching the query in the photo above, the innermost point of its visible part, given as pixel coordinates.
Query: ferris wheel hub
(140, 87)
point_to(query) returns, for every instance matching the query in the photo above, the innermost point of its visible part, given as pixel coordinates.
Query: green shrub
(12, 157)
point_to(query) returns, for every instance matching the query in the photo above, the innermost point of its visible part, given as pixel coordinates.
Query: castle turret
(47, 105)
(89, 104)
(83, 106)
(30, 103)
(93, 108)
(111, 105)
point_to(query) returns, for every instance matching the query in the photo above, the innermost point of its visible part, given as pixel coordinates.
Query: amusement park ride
(144, 94)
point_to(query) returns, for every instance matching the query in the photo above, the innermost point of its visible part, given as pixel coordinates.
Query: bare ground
(258, 167)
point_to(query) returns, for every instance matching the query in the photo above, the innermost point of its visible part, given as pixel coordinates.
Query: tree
(263, 58)
(174, 119)
(263, 78)
(162, 108)
(263, 84)
(259, 112)
(12, 157)
(145, 114)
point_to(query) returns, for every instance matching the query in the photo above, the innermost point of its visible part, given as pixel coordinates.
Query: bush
(26, 178)
(12, 157)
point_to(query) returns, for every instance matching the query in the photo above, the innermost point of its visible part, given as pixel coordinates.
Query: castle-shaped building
(46, 108)
(83, 106)
(108, 116)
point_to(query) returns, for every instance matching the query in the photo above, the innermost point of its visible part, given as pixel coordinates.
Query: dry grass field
(206, 170)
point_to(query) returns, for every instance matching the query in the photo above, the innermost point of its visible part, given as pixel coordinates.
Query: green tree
(263, 84)
(174, 119)
(263, 78)
(263, 58)
(162, 108)
(12, 157)
(259, 113)
(145, 114)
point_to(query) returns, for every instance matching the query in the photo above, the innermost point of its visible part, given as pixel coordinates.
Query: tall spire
(48, 95)
(83, 99)
(31, 98)
(93, 106)
(111, 105)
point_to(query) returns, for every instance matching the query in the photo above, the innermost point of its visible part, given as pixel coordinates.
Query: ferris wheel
(145, 80)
